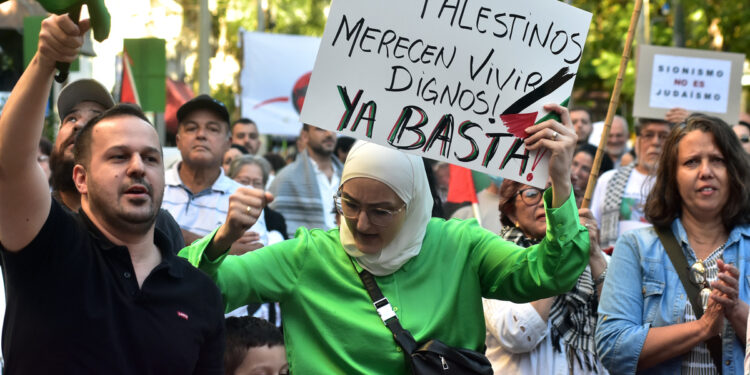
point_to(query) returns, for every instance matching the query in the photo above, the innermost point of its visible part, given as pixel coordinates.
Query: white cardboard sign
(451, 80)
(699, 81)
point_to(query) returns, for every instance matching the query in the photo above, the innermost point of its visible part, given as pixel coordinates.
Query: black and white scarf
(612, 202)
(572, 315)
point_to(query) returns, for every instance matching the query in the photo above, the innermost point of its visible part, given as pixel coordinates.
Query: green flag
(100, 21)
(148, 60)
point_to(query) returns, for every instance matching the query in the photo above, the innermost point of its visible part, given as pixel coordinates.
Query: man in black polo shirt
(77, 104)
(102, 292)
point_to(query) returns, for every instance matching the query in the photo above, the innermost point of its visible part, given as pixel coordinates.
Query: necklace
(699, 278)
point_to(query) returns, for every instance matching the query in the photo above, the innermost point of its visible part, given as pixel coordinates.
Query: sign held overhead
(699, 81)
(457, 81)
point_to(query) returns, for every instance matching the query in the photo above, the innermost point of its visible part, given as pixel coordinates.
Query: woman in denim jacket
(646, 322)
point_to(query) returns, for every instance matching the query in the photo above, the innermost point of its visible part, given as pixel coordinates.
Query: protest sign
(452, 80)
(699, 81)
(275, 73)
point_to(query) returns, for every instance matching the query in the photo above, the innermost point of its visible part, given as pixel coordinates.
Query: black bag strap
(680, 264)
(403, 337)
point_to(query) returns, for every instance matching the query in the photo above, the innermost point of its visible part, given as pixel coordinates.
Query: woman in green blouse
(433, 272)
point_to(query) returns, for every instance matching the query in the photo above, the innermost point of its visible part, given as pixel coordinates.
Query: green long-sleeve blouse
(330, 324)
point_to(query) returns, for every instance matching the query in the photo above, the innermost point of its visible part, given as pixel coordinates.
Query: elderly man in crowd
(197, 190)
(617, 203)
(617, 143)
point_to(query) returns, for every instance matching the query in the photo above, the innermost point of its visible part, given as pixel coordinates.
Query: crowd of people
(235, 262)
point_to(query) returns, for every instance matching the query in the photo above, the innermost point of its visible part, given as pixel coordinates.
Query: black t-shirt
(74, 307)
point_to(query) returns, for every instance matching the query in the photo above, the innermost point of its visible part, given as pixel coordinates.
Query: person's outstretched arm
(24, 190)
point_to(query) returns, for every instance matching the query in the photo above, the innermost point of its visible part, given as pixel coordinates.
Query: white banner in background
(274, 79)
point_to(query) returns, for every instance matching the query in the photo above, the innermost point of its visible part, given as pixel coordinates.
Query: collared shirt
(643, 290)
(75, 307)
(204, 211)
(327, 189)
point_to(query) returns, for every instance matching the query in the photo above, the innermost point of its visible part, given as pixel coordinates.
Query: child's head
(254, 346)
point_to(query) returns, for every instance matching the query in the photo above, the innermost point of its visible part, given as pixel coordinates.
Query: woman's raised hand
(560, 139)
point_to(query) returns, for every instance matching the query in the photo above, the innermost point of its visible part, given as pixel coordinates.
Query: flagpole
(613, 103)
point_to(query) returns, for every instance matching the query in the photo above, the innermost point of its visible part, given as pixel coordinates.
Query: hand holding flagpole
(613, 104)
(64, 67)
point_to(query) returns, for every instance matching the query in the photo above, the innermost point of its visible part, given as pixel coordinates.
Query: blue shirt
(643, 290)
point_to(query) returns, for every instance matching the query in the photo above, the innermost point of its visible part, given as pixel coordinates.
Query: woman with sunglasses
(433, 272)
(554, 335)
(700, 203)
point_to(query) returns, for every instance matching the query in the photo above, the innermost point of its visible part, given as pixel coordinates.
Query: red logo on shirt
(182, 315)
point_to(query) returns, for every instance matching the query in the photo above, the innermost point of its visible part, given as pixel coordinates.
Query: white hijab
(405, 175)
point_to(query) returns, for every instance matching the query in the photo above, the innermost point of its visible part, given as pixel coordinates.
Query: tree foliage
(609, 25)
(704, 22)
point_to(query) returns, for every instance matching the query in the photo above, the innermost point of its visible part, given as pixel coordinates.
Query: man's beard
(321, 151)
(113, 212)
(62, 173)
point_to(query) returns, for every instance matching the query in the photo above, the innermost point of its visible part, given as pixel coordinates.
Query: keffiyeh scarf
(572, 315)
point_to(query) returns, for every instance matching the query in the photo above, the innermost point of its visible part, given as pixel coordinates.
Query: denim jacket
(643, 290)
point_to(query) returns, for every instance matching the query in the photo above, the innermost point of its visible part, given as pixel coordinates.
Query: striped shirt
(205, 211)
(698, 361)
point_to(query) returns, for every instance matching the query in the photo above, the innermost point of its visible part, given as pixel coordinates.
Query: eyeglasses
(698, 277)
(531, 196)
(655, 135)
(378, 216)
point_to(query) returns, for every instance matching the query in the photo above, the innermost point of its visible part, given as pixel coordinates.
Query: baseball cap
(203, 102)
(84, 90)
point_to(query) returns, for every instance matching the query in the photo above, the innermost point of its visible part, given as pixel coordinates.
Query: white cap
(84, 90)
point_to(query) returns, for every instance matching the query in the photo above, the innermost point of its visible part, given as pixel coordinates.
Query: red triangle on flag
(461, 187)
(128, 91)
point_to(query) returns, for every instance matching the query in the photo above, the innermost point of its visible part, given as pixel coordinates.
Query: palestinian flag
(128, 91)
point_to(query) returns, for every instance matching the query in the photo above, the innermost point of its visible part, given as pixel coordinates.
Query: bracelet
(601, 277)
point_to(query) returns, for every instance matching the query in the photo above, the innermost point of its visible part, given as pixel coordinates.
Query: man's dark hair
(82, 147)
(343, 144)
(277, 162)
(45, 146)
(242, 120)
(606, 163)
(245, 333)
(664, 203)
(240, 148)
